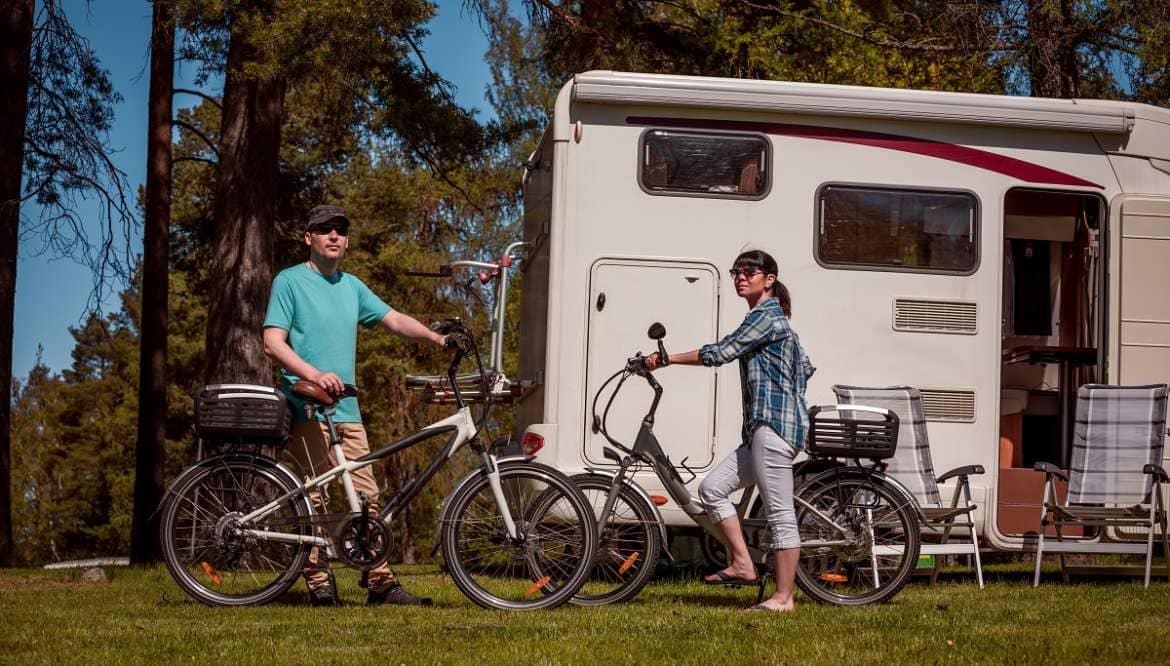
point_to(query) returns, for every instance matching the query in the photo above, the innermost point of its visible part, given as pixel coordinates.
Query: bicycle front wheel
(629, 544)
(544, 563)
(859, 538)
(212, 554)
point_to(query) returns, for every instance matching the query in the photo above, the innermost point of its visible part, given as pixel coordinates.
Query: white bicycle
(237, 528)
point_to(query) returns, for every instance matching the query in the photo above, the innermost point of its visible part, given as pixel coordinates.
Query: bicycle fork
(493, 474)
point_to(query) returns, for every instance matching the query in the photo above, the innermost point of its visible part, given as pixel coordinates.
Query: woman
(774, 371)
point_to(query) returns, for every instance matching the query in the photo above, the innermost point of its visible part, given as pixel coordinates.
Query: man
(311, 332)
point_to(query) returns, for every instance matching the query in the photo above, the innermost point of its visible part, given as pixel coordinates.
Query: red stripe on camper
(982, 159)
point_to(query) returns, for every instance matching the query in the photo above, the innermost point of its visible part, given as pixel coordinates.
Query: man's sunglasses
(748, 272)
(324, 229)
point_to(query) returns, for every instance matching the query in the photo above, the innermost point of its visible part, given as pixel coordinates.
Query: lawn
(141, 616)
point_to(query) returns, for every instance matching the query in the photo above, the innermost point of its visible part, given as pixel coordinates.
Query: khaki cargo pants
(310, 448)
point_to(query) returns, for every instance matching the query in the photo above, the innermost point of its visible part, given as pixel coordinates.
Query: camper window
(704, 164)
(897, 229)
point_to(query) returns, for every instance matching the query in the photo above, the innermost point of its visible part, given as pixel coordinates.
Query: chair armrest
(1157, 471)
(964, 471)
(1049, 468)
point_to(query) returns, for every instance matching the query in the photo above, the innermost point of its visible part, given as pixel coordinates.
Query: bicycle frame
(463, 429)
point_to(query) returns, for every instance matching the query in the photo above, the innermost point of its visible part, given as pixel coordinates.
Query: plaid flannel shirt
(773, 371)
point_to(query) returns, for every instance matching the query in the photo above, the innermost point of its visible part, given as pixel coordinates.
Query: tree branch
(205, 96)
(197, 132)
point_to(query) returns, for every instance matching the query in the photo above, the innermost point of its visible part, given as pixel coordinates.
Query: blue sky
(51, 295)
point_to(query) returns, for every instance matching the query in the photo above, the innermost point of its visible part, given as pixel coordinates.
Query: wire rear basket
(852, 431)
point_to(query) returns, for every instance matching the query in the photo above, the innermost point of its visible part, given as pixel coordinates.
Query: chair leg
(975, 552)
(1150, 540)
(1040, 541)
(1039, 555)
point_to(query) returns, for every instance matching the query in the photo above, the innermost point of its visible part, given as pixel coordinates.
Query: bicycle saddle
(311, 391)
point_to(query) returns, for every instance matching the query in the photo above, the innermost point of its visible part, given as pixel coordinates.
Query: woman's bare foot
(776, 605)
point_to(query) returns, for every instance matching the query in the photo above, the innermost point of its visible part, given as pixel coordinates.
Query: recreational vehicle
(995, 252)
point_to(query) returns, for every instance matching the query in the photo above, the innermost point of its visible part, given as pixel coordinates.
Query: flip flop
(722, 578)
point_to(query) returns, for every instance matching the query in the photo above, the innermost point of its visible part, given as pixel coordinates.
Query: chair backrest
(911, 464)
(1119, 430)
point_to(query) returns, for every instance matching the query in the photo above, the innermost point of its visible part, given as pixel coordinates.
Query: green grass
(141, 616)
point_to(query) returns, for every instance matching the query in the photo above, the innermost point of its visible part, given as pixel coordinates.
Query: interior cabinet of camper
(1051, 341)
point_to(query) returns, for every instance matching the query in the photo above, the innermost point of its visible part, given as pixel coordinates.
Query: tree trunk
(150, 454)
(1052, 50)
(245, 205)
(16, 21)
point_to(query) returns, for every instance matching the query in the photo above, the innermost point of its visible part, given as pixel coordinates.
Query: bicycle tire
(496, 572)
(208, 558)
(628, 544)
(884, 545)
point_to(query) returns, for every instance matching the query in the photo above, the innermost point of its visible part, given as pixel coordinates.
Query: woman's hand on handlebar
(654, 361)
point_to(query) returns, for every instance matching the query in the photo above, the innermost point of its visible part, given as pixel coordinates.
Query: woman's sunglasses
(324, 229)
(748, 272)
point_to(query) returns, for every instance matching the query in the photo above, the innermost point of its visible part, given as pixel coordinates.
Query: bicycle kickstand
(762, 581)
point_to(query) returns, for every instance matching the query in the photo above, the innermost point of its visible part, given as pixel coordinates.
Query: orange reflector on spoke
(535, 587)
(659, 500)
(212, 573)
(833, 577)
(628, 563)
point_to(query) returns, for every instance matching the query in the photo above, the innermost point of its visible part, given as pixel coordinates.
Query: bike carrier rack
(437, 389)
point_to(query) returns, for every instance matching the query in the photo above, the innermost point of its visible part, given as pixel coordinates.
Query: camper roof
(1076, 115)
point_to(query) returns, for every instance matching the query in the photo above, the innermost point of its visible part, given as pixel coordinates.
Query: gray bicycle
(858, 527)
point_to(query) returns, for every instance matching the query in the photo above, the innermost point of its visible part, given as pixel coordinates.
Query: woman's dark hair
(764, 261)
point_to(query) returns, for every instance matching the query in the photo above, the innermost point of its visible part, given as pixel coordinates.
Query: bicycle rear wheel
(628, 544)
(551, 555)
(204, 545)
(859, 538)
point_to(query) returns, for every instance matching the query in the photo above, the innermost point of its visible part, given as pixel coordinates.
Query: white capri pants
(767, 463)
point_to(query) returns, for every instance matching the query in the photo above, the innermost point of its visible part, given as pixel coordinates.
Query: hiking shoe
(324, 595)
(395, 595)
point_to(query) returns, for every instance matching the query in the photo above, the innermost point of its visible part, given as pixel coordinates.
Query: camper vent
(934, 316)
(952, 405)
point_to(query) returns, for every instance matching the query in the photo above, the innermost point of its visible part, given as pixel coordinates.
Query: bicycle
(237, 528)
(858, 527)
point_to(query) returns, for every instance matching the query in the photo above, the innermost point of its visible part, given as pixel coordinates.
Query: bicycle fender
(880, 476)
(259, 461)
(468, 478)
(609, 475)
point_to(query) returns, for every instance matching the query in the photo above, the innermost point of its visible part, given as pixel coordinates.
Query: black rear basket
(242, 412)
(852, 431)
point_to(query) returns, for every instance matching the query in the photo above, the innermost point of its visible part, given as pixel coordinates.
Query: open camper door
(625, 297)
(1139, 311)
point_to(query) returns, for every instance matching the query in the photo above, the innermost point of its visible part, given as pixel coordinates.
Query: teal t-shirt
(321, 314)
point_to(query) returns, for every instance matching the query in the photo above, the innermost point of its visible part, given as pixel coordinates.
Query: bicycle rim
(875, 554)
(550, 558)
(203, 545)
(628, 545)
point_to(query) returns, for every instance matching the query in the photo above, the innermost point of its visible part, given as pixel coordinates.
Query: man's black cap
(325, 213)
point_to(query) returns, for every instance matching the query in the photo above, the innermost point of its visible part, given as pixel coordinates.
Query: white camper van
(994, 252)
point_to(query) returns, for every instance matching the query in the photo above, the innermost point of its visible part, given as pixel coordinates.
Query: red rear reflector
(659, 500)
(531, 443)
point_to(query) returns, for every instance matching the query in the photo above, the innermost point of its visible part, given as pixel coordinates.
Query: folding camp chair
(1116, 477)
(912, 468)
